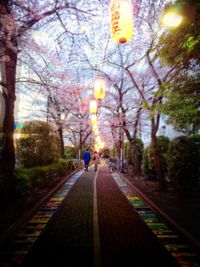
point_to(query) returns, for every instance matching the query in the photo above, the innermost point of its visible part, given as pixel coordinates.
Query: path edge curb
(193, 240)
(19, 224)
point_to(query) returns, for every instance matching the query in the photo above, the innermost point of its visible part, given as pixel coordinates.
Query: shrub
(127, 150)
(148, 164)
(148, 159)
(139, 151)
(4, 188)
(38, 146)
(163, 145)
(30, 180)
(196, 139)
(70, 152)
(182, 160)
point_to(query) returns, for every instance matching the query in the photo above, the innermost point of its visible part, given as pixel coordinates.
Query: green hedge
(70, 152)
(183, 161)
(148, 159)
(147, 164)
(139, 151)
(29, 180)
(38, 146)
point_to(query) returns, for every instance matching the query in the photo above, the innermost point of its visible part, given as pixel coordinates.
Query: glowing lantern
(99, 89)
(94, 119)
(121, 20)
(93, 106)
(95, 129)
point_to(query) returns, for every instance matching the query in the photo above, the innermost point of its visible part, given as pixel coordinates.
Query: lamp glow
(121, 20)
(172, 19)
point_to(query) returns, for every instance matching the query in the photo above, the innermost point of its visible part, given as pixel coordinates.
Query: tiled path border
(21, 245)
(176, 246)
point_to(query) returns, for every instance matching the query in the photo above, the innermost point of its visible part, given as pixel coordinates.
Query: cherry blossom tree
(17, 19)
(80, 52)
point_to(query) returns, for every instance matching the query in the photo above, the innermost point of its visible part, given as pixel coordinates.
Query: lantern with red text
(99, 89)
(121, 20)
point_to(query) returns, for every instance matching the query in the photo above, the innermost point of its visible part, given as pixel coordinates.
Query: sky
(80, 48)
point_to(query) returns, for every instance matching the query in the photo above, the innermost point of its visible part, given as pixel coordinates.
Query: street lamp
(172, 16)
(172, 19)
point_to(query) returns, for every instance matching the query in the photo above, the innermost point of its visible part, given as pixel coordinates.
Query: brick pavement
(124, 239)
(68, 239)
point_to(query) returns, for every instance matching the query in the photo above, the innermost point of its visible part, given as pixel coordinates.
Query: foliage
(30, 180)
(182, 161)
(139, 151)
(39, 144)
(182, 104)
(4, 188)
(70, 152)
(139, 148)
(181, 45)
(148, 159)
(179, 48)
(196, 139)
(147, 164)
(127, 152)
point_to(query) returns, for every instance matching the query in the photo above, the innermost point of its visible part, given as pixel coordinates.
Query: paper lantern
(121, 20)
(93, 106)
(99, 89)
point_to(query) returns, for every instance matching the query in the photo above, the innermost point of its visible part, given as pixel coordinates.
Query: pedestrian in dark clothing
(86, 158)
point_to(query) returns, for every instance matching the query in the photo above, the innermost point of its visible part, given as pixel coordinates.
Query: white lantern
(121, 20)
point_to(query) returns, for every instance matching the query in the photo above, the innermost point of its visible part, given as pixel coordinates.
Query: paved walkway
(96, 220)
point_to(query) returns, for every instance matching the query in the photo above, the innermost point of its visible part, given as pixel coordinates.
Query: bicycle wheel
(124, 170)
(112, 169)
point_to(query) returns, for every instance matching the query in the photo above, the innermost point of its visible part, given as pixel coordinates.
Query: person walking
(86, 159)
(96, 160)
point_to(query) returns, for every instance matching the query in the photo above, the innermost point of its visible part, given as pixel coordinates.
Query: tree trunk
(136, 162)
(156, 156)
(62, 150)
(8, 151)
(137, 170)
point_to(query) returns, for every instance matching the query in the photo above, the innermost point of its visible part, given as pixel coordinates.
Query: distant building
(164, 129)
(167, 129)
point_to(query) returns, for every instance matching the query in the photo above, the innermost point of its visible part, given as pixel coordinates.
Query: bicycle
(118, 166)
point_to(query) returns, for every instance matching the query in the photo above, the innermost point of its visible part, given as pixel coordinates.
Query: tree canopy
(179, 47)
